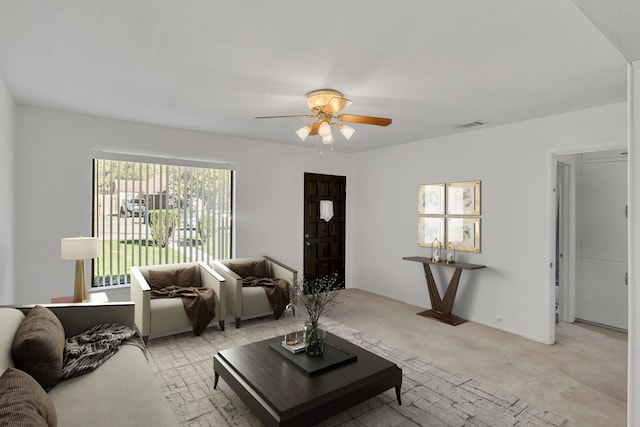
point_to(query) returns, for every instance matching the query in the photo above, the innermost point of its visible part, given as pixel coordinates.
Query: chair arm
(210, 279)
(141, 296)
(232, 285)
(78, 318)
(282, 271)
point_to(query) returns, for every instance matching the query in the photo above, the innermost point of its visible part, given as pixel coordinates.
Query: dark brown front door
(324, 241)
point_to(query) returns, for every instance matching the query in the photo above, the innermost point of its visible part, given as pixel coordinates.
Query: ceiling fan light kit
(324, 104)
(303, 132)
(347, 131)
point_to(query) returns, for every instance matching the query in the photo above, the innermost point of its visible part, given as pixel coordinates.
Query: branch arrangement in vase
(317, 296)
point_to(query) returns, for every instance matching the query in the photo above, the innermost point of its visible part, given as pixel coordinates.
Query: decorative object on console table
(436, 249)
(316, 297)
(79, 249)
(451, 253)
(441, 307)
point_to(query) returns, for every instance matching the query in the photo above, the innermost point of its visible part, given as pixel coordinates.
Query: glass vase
(291, 337)
(314, 338)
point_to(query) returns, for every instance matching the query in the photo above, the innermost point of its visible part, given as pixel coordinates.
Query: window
(149, 211)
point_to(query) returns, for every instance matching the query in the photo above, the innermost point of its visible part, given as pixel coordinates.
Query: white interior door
(601, 285)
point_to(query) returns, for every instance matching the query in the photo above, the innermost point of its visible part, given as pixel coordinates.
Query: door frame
(554, 157)
(567, 237)
(347, 231)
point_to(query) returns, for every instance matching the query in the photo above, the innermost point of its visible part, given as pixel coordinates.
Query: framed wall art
(464, 234)
(463, 198)
(431, 199)
(429, 229)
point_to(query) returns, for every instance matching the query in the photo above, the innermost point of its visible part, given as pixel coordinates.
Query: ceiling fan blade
(285, 117)
(365, 120)
(336, 104)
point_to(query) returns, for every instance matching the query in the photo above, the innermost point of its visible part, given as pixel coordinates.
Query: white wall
(513, 164)
(7, 144)
(53, 194)
(53, 191)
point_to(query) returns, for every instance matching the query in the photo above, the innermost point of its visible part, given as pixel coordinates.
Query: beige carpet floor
(582, 377)
(431, 395)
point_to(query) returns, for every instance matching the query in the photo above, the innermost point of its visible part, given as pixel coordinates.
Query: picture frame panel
(429, 229)
(431, 199)
(463, 198)
(464, 233)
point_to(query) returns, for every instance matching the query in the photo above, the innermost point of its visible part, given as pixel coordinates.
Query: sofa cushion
(254, 268)
(38, 347)
(23, 402)
(121, 392)
(10, 319)
(182, 277)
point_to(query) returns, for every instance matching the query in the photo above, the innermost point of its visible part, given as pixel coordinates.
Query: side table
(441, 307)
(93, 297)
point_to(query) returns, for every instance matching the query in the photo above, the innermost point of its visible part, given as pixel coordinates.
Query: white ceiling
(214, 65)
(619, 20)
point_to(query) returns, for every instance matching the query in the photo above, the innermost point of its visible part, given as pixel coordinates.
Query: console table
(441, 307)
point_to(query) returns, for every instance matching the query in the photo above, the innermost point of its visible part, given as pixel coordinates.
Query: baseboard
(469, 319)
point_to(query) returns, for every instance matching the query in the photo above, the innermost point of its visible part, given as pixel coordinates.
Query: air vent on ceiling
(469, 125)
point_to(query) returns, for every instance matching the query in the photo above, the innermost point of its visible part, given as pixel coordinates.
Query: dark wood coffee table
(282, 394)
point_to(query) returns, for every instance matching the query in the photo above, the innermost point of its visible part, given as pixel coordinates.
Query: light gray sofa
(121, 392)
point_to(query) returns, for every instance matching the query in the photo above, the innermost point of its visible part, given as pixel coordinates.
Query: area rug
(431, 396)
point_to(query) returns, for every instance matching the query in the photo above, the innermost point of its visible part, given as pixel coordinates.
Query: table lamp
(79, 249)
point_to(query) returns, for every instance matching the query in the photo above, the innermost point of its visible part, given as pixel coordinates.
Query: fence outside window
(157, 212)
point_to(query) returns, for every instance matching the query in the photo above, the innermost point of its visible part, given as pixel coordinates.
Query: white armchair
(161, 316)
(245, 302)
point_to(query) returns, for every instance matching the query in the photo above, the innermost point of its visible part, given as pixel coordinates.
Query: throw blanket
(85, 352)
(199, 304)
(277, 291)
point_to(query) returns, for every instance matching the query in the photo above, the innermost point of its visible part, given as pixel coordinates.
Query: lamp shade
(324, 130)
(303, 132)
(79, 248)
(347, 131)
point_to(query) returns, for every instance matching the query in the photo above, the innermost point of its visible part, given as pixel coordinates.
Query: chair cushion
(182, 277)
(38, 346)
(256, 268)
(23, 402)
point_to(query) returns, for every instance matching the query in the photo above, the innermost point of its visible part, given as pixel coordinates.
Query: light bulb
(303, 132)
(327, 139)
(324, 129)
(347, 131)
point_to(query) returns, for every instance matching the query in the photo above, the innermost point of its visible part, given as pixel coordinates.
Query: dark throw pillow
(38, 346)
(23, 402)
(250, 268)
(182, 277)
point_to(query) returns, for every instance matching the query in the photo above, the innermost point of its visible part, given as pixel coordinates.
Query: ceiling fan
(325, 106)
